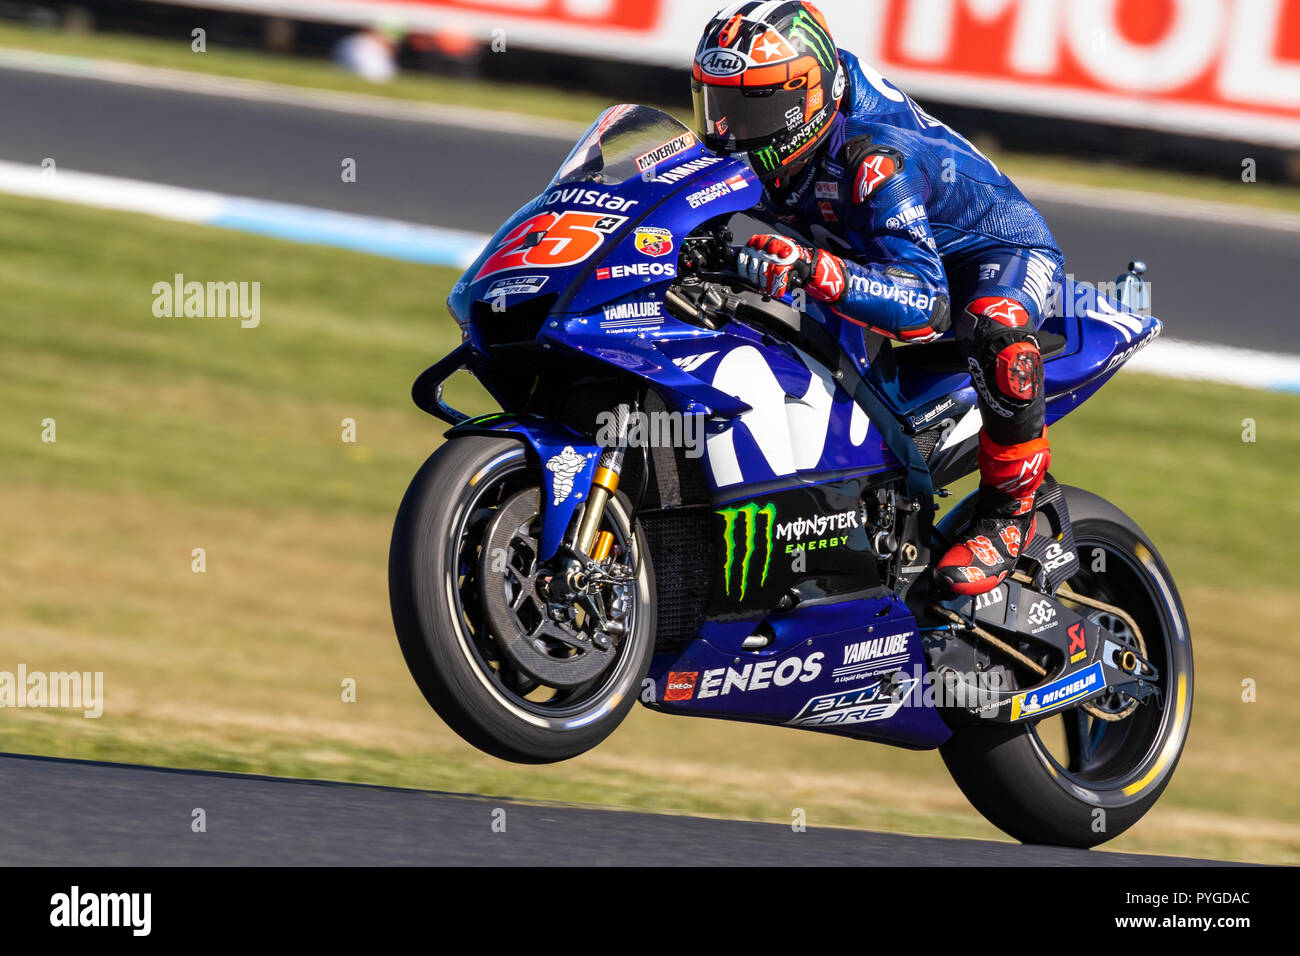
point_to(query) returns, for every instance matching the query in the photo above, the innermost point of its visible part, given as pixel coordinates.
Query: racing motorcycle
(722, 505)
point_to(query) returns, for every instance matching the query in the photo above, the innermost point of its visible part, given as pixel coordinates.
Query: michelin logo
(1057, 694)
(565, 466)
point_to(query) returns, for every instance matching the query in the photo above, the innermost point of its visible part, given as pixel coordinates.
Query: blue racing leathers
(930, 235)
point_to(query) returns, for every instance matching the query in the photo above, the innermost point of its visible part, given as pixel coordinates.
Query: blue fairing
(600, 257)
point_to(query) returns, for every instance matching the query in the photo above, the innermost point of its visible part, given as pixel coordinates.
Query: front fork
(588, 540)
(580, 563)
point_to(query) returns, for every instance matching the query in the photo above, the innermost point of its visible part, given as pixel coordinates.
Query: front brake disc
(551, 652)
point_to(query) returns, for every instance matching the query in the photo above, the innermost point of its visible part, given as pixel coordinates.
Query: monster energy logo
(751, 513)
(767, 158)
(815, 40)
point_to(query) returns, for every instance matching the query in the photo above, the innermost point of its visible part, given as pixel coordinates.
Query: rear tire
(456, 661)
(1098, 788)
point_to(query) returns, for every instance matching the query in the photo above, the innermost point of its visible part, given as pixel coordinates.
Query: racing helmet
(767, 81)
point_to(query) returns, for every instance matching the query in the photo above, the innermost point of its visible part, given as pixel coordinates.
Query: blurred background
(199, 507)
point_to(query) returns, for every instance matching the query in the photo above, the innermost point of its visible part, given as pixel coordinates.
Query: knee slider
(1018, 370)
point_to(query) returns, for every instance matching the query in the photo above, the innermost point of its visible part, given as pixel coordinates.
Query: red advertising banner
(1223, 68)
(1219, 67)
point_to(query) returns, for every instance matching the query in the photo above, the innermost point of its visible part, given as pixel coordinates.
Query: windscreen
(624, 143)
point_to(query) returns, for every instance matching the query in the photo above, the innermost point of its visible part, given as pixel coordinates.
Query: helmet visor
(732, 119)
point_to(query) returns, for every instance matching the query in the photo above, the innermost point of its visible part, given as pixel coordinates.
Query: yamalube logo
(717, 62)
(208, 300)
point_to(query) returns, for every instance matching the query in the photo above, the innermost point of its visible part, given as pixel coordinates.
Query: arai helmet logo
(718, 62)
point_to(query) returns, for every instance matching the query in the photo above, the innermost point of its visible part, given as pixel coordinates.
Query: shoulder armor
(873, 165)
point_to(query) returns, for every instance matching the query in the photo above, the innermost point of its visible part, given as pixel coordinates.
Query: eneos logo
(680, 685)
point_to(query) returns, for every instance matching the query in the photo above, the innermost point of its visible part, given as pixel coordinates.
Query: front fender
(566, 462)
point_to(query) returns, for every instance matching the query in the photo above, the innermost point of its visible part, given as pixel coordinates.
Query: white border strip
(392, 238)
(1225, 364)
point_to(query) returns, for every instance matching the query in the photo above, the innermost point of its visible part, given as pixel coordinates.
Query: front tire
(438, 577)
(1109, 772)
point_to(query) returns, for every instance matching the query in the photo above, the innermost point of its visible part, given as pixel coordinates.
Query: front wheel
(1087, 775)
(511, 673)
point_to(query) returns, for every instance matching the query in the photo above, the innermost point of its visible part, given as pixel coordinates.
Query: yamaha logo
(722, 63)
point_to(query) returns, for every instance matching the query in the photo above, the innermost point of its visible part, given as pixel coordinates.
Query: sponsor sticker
(873, 656)
(678, 173)
(580, 196)
(825, 190)
(716, 191)
(516, 285)
(564, 467)
(720, 62)
(877, 701)
(742, 524)
(1042, 615)
(721, 681)
(906, 217)
(1078, 643)
(1058, 694)
(681, 685)
(883, 290)
(630, 315)
(666, 151)
(644, 269)
(652, 241)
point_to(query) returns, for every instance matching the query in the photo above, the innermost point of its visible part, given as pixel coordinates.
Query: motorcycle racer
(898, 215)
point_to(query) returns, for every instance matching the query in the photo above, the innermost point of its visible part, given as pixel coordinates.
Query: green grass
(581, 108)
(176, 434)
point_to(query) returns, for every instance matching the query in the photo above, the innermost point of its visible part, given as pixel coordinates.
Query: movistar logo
(815, 40)
(747, 517)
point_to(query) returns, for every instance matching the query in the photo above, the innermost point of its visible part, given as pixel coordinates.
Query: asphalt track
(1211, 281)
(78, 813)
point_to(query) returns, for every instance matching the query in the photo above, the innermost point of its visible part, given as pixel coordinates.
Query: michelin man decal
(565, 466)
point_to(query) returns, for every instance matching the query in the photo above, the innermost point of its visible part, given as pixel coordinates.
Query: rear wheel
(1088, 774)
(507, 670)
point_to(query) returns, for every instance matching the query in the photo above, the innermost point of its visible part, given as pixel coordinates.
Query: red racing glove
(776, 265)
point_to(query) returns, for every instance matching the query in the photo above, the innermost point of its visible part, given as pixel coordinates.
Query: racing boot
(1004, 517)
